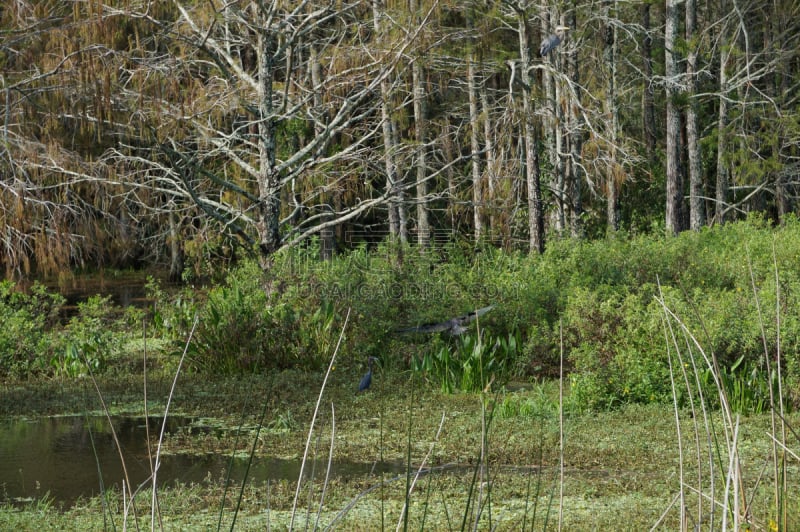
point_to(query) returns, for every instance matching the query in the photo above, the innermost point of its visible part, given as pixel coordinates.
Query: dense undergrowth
(600, 303)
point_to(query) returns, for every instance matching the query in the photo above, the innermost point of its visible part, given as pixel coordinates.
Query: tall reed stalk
(331, 365)
(716, 435)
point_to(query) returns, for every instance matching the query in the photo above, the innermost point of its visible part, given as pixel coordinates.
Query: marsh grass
(142, 505)
(619, 469)
(714, 489)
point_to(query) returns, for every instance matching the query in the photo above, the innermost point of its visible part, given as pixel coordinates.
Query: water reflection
(63, 456)
(124, 288)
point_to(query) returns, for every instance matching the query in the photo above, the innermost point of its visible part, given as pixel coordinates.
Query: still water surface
(66, 457)
(71, 457)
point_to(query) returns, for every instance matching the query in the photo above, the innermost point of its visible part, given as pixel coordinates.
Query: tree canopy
(138, 132)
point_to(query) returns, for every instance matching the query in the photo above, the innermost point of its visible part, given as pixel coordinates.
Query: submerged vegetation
(655, 378)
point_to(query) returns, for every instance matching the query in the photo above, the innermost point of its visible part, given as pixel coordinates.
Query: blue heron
(454, 326)
(366, 380)
(551, 43)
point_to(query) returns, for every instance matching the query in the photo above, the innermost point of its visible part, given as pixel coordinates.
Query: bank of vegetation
(603, 304)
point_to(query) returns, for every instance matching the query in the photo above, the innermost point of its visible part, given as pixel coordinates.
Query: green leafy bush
(248, 325)
(89, 339)
(539, 403)
(25, 345)
(602, 295)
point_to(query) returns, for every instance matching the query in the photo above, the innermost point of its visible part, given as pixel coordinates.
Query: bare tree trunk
(533, 181)
(612, 117)
(491, 160)
(327, 238)
(574, 175)
(449, 153)
(648, 101)
(475, 163)
(420, 126)
(674, 203)
(532, 175)
(697, 215)
(557, 131)
(400, 190)
(559, 185)
(552, 123)
(267, 225)
(388, 130)
(721, 188)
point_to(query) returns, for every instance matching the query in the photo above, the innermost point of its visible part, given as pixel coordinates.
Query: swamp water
(64, 457)
(69, 457)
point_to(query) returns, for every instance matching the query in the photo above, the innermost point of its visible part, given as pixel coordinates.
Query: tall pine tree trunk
(612, 117)
(553, 123)
(388, 131)
(269, 207)
(532, 175)
(697, 215)
(574, 174)
(674, 185)
(474, 119)
(423, 223)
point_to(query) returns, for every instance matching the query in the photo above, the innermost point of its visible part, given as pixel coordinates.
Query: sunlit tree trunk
(475, 162)
(532, 175)
(574, 170)
(555, 131)
(697, 216)
(420, 126)
(449, 151)
(674, 185)
(612, 116)
(400, 194)
(388, 129)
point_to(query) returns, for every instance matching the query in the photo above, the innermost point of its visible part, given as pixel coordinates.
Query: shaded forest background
(141, 133)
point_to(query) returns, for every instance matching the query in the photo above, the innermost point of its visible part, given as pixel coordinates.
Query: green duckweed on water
(620, 466)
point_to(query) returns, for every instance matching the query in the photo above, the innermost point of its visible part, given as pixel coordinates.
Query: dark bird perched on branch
(551, 43)
(366, 380)
(453, 326)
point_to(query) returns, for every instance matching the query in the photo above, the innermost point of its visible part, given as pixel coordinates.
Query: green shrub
(90, 338)
(26, 346)
(604, 292)
(248, 325)
(746, 385)
(540, 402)
(172, 314)
(614, 343)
